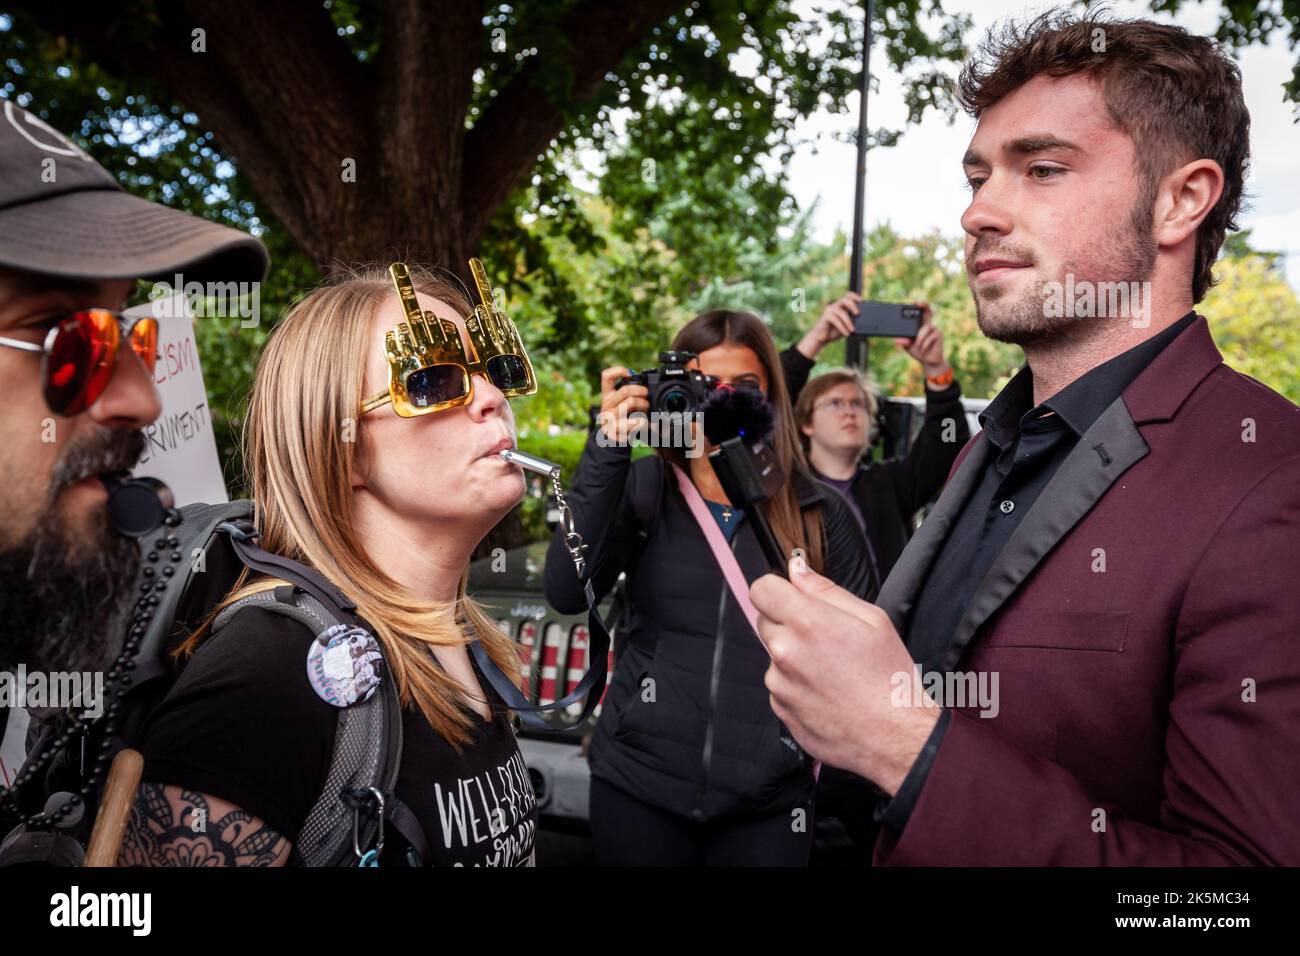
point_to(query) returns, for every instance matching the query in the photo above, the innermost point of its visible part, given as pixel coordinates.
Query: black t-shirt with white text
(242, 723)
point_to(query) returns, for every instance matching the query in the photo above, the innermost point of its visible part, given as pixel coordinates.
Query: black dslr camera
(674, 388)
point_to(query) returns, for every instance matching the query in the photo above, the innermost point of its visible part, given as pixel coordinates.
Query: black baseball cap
(63, 214)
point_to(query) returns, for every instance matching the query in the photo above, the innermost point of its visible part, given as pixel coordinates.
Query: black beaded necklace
(118, 680)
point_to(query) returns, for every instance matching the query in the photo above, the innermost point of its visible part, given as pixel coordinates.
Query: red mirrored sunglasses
(80, 352)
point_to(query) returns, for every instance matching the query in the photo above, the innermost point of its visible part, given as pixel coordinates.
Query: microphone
(739, 421)
(731, 412)
(137, 505)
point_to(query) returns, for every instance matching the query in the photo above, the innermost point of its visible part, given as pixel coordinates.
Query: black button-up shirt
(1029, 443)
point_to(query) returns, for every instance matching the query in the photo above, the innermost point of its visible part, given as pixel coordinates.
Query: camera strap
(731, 572)
(722, 553)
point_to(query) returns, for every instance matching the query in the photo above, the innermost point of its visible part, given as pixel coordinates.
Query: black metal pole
(856, 348)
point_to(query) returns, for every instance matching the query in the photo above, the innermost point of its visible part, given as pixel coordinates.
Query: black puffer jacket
(686, 725)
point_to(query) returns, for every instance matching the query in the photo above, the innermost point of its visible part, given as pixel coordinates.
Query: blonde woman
(385, 491)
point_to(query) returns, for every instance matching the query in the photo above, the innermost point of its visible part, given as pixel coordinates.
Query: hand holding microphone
(836, 661)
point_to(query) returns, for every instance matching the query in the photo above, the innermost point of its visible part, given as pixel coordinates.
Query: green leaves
(662, 192)
(1243, 22)
(1255, 317)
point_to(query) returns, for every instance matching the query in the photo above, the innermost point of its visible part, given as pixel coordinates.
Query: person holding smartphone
(835, 414)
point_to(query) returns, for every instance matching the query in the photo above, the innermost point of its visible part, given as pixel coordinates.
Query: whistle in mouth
(540, 465)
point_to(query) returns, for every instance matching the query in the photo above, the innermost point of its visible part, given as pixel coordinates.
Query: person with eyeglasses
(373, 445)
(835, 414)
(78, 386)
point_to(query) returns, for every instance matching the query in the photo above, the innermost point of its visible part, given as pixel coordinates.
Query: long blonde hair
(298, 458)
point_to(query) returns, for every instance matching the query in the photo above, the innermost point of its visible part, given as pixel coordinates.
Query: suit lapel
(1155, 395)
(1106, 451)
(900, 590)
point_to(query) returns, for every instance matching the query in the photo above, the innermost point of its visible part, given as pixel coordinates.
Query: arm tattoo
(174, 827)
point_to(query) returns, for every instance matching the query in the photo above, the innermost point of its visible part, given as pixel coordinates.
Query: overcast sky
(918, 185)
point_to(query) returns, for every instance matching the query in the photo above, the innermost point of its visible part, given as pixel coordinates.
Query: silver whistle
(540, 465)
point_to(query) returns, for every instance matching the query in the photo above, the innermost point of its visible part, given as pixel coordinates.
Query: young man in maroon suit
(1103, 606)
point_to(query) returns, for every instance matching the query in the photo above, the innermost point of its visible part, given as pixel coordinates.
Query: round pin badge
(344, 665)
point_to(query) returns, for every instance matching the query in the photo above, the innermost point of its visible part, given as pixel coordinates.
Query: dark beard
(1025, 322)
(65, 593)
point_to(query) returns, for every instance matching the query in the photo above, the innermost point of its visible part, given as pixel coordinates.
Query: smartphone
(888, 320)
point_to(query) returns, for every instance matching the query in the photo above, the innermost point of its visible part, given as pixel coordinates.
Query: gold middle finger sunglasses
(429, 369)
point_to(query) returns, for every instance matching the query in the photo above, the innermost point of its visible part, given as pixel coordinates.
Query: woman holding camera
(689, 765)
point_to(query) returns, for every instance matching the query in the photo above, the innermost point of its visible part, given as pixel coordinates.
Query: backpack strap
(406, 823)
(243, 538)
(647, 501)
(367, 748)
(286, 600)
(206, 568)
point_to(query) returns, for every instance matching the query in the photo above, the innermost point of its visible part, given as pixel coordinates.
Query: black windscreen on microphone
(739, 421)
(137, 505)
(731, 412)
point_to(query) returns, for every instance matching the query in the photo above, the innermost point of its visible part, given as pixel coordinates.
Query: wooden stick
(115, 808)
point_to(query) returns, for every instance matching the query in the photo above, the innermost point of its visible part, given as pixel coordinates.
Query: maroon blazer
(1149, 713)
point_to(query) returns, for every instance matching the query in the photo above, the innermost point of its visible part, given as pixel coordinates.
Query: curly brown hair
(1176, 95)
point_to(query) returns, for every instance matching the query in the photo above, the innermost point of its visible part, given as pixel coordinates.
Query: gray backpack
(215, 543)
(367, 749)
(187, 572)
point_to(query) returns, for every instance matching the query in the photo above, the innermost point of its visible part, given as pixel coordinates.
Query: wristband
(942, 380)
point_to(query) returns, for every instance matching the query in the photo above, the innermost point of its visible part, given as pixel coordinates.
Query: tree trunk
(360, 162)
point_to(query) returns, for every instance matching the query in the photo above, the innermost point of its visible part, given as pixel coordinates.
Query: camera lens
(676, 400)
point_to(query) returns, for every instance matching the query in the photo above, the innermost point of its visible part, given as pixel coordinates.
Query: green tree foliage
(1243, 22)
(1255, 317)
(689, 111)
(707, 91)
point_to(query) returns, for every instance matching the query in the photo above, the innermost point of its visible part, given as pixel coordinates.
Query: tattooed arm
(171, 826)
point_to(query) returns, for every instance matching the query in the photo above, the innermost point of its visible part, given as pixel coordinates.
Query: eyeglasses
(80, 353)
(429, 369)
(838, 405)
